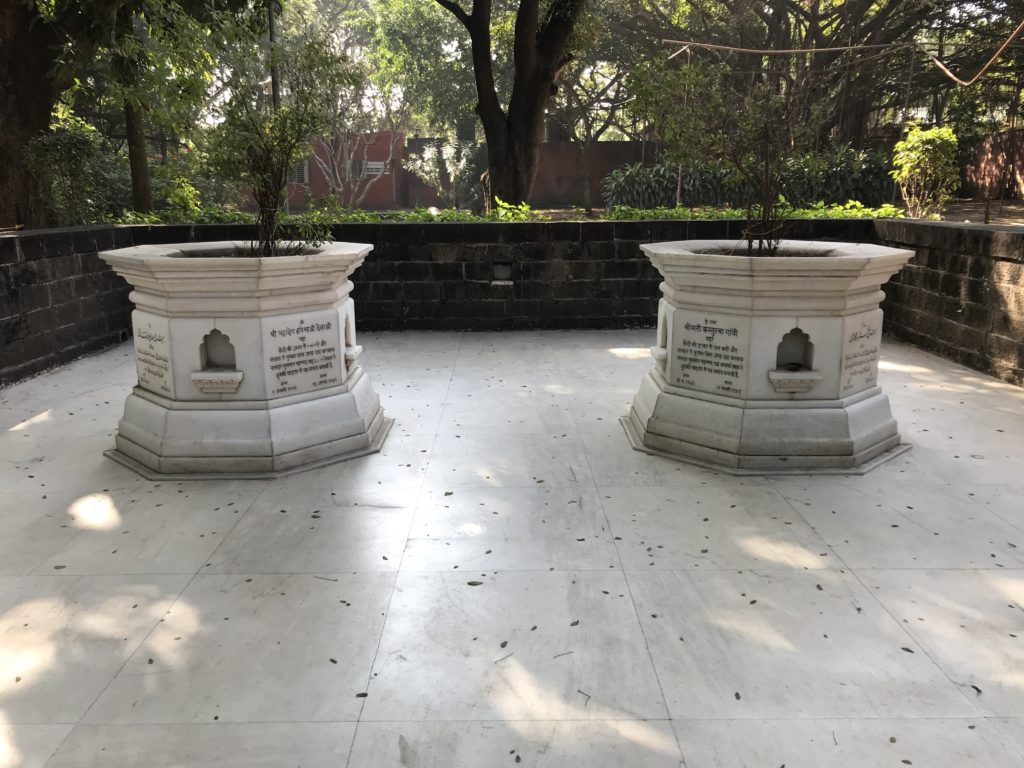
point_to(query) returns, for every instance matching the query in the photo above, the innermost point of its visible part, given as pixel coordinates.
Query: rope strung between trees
(686, 45)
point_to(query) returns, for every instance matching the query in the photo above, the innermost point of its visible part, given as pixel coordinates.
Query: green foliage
(706, 113)
(81, 178)
(504, 211)
(662, 212)
(834, 177)
(925, 167)
(837, 175)
(420, 48)
(192, 162)
(183, 200)
(848, 210)
(213, 215)
(452, 169)
(640, 186)
(427, 215)
(257, 142)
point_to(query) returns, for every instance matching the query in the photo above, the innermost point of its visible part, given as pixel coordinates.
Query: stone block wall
(58, 300)
(484, 276)
(962, 295)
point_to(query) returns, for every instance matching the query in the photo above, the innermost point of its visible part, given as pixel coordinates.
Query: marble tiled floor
(507, 583)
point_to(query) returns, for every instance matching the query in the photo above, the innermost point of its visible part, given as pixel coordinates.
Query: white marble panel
(711, 526)
(971, 623)
(153, 353)
(861, 743)
(299, 527)
(303, 352)
(710, 352)
(207, 745)
(556, 458)
(601, 744)
(784, 644)
(269, 648)
(512, 646)
(142, 530)
(862, 346)
(245, 337)
(517, 529)
(904, 525)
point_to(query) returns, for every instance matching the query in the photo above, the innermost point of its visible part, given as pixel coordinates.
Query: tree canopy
(148, 76)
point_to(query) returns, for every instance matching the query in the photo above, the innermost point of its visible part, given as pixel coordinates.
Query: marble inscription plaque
(709, 352)
(302, 353)
(153, 352)
(862, 344)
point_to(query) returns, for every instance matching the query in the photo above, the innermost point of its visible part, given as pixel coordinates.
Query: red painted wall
(558, 183)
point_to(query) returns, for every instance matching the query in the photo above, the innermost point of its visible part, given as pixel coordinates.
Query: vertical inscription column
(862, 347)
(302, 353)
(153, 352)
(709, 352)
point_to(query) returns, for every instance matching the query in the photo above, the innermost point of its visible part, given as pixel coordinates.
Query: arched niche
(216, 352)
(795, 352)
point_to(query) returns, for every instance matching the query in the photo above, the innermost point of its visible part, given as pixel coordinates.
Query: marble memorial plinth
(768, 364)
(247, 366)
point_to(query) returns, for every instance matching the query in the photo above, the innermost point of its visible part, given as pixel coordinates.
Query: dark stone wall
(58, 300)
(484, 276)
(962, 295)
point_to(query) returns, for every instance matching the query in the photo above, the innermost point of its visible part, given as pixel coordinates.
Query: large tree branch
(456, 10)
(554, 32)
(524, 52)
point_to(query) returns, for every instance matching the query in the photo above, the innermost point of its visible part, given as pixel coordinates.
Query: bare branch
(456, 10)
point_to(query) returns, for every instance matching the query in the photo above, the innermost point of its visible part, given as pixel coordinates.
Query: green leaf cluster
(925, 168)
(80, 176)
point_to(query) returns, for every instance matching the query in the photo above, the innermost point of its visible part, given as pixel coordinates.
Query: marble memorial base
(768, 364)
(247, 366)
(165, 439)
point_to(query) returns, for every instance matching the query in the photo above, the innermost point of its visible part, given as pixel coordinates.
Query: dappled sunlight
(525, 699)
(45, 639)
(558, 389)
(889, 365)
(32, 651)
(105, 621)
(753, 630)
(10, 756)
(631, 353)
(39, 418)
(781, 552)
(1010, 588)
(95, 512)
(470, 529)
(964, 635)
(169, 646)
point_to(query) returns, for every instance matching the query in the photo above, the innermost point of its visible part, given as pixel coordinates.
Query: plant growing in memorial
(926, 170)
(257, 141)
(753, 125)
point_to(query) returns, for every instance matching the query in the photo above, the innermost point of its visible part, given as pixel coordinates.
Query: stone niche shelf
(247, 366)
(768, 364)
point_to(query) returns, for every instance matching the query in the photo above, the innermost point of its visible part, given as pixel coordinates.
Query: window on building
(299, 173)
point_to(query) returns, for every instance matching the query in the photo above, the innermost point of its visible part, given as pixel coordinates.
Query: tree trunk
(583, 171)
(138, 157)
(28, 51)
(512, 163)
(539, 55)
